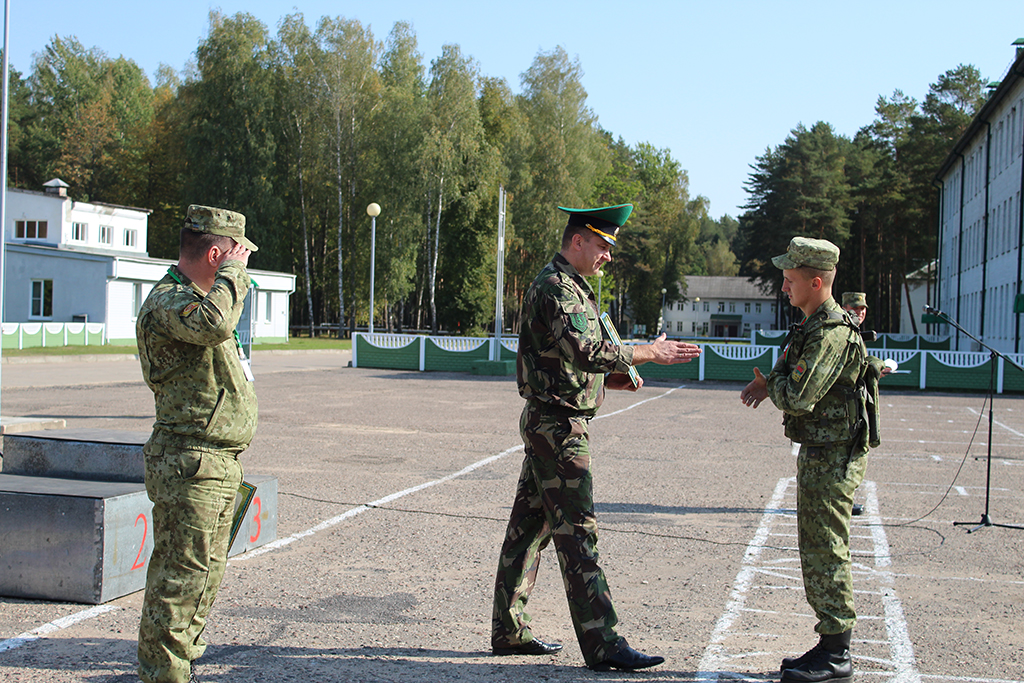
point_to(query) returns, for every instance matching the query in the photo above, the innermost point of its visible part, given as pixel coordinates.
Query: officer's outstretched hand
(756, 391)
(620, 380)
(664, 351)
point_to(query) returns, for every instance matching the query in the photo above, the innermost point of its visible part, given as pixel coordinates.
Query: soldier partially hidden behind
(205, 417)
(563, 367)
(828, 392)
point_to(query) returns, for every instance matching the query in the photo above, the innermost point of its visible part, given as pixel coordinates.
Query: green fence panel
(951, 370)
(689, 370)
(909, 370)
(928, 343)
(900, 341)
(769, 338)
(1013, 379)
(402, 358)
(508, 354)
(730, 362)
(459, 357)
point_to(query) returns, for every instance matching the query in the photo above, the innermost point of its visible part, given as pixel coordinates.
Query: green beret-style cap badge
(605, 221)
(810, 252)
(855, 300)
(216, 221)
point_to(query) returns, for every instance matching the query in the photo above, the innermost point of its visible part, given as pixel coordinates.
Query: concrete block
(97, 454)
(90, 541)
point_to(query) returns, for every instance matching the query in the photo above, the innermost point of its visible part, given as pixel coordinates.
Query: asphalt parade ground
(394, 493)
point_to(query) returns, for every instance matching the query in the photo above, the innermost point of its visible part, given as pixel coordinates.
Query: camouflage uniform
(560, 371)
(205, 417)
(815, 383)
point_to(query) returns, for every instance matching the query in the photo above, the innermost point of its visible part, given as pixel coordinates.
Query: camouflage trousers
(827, 477)
(554, 502)
(193, 494)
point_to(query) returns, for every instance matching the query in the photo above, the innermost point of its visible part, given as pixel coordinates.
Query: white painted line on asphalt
(900, 647)
(348, 514)
(55, 625)
(715, 653)
(997, 422)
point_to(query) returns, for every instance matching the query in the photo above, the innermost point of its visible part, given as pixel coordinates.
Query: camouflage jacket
(817, 380)
(563, 356)
(190, 359)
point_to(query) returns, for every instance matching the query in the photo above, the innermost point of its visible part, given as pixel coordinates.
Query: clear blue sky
(717, 83)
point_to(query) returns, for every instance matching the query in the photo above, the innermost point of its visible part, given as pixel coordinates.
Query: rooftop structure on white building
(86, 262)
(981, 225)
(719, 306)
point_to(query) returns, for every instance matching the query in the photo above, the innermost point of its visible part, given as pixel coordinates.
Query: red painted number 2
(140, 562)
(256, 518)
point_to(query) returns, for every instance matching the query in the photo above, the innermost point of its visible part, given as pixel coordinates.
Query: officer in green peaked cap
(216, 221)
(809, 252)
(855, 299)
(605, 221)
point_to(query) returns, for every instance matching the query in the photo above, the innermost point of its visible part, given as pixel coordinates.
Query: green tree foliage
(302, 130)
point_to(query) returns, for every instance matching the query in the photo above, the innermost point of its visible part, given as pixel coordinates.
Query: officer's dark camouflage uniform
(815, 384)
(205, 417)
(560, 371)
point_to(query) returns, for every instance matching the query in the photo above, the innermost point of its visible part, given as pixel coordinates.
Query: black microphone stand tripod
(986, 518)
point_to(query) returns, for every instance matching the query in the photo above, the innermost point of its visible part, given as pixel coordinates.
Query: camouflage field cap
(855, 300)
(605, 221)
(218, 222)
(810, 252)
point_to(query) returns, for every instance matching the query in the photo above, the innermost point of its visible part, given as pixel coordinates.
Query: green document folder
(246, 491)
(613, 335)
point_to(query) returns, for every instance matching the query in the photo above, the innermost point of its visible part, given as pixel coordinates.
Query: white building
(69, 261)
(716, 306)
(981, 225)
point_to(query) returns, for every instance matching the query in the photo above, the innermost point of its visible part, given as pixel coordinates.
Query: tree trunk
(305, 240)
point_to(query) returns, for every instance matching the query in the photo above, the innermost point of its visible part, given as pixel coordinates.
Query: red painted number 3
(256, 518)
(139, 561)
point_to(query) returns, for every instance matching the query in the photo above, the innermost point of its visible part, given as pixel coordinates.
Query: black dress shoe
(628, 659)
(534, 647)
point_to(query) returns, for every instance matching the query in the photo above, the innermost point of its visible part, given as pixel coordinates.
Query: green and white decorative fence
(918, 368)
(927, 342)
(32, 335)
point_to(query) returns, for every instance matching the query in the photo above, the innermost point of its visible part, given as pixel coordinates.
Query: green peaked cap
(605, 221)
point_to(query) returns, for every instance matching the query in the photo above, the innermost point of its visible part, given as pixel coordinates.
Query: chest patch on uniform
(579, 321)
(798, 371)
(187, 311)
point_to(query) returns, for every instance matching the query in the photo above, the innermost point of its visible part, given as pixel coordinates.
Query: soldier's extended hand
(620, 380)
(665, 352)
(756, 391)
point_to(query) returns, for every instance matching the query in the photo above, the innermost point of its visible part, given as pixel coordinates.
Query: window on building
(693, 329)
(773, 308)
(707, 306)
(757, 308)
(129, 237)
(268, 299)
(679, 326)
(136, 299)
(695, 305)
(42, 299)
(80, 232)
(732, 306)
(721, 307)
(30, 230)
(746, 307)
(105, 234)
(704, 328)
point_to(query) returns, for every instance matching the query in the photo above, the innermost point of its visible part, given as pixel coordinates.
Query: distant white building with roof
(70, 261)
(718, 306)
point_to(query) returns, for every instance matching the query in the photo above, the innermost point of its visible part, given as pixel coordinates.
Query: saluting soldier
(205, 417)
(563, 367)
(827, 390)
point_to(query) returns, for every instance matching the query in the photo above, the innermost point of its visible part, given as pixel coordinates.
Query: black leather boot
(829, 660)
